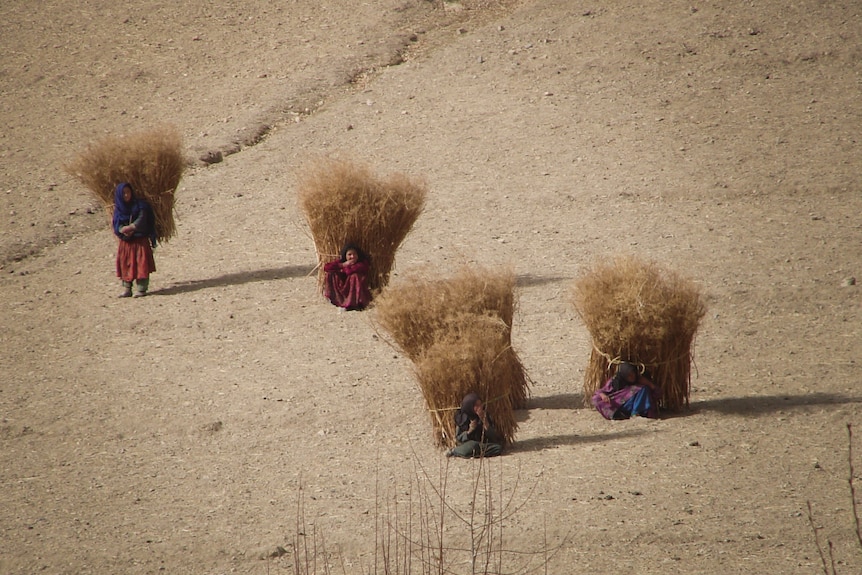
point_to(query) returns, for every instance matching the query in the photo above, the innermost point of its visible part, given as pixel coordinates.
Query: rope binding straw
(641, 366)
(618, 360)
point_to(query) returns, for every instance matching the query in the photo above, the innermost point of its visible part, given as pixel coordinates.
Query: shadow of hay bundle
(458, 333)
(637, 312)
(345, 203)
(151, 161)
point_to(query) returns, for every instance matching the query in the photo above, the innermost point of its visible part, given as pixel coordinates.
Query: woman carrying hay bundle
(346, 284)
(642, 313)
(134, 224)
(343, 201)
(477, 435)
(627, 394)
(135, 178)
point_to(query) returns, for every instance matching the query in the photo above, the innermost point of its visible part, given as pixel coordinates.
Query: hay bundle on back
(637, 312)
(422, 310)
(419, 308)
(151, 161)
(471, 357)
(458, 333)
(344, 203)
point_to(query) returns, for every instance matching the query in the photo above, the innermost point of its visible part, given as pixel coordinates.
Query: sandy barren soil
(177, 433)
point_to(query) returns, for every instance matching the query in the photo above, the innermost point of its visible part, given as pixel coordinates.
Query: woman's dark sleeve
(141, 224)
(462, 425)
(490, 433)
(144, 220)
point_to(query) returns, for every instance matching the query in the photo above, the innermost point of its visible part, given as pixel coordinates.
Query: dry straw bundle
(151, 161)
(637, 312)
(421, 307)
(344, 203)
(471, 357)
(458, 333)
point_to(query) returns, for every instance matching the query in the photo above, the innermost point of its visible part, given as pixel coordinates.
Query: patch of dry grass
(420, 528)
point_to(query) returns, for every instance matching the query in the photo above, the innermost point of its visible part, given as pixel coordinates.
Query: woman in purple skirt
(627, 394)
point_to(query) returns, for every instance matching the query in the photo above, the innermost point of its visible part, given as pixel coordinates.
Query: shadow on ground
(561, 401)
(568, 401)
(757, 404)
(529, 280)
(541, 443)
(751, 405)
(237, 279)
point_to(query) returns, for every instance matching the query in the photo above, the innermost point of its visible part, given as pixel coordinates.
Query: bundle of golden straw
(344, 203)
(151, 161)
(470, 358)
(458, 333)
(638, 312)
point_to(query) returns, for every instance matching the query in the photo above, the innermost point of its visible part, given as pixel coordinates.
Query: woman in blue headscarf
(134, 224)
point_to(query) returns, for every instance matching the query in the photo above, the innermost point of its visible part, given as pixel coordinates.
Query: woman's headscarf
(466, 413)
(127, 212)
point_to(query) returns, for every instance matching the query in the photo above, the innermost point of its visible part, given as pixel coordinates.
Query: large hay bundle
(344, 203)
(420, 307)
(151, 161)
(458, 333)
(472, 357)
(637, 312)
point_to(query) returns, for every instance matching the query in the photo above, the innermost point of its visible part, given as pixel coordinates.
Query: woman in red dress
(346, 283)
(135, 226)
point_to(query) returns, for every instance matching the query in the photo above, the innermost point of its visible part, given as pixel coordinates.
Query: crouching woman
(476, 434)
(627, 394)
(346, 283)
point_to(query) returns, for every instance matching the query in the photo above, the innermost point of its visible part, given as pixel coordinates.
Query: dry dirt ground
(175, 433)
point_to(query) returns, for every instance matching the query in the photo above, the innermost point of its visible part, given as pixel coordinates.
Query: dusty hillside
(175, 433)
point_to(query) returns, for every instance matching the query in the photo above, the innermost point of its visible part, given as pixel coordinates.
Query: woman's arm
(471, 431)
(646, 382)
(140, 222)
(357, 268)
(141, 225)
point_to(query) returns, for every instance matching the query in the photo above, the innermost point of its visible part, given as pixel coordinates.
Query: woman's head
(469, 403)
(351, 253)
(123, 193)
(467, 412)
(351, 257)
(627, 372)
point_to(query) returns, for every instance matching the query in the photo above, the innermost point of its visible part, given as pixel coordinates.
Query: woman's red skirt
(135, 259)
